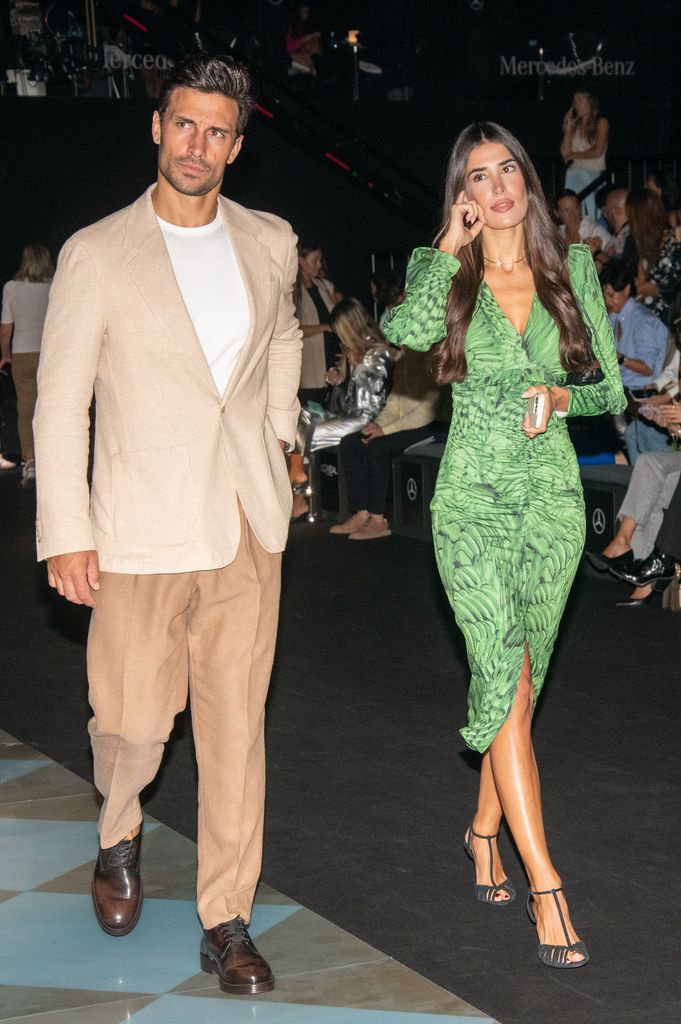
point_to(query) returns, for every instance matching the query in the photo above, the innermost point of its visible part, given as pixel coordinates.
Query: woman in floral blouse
(659, 268)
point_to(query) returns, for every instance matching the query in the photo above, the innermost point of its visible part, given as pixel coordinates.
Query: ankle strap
(478, 836)
(544, 892)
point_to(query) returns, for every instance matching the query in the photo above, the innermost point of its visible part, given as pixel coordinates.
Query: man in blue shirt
(641, 343)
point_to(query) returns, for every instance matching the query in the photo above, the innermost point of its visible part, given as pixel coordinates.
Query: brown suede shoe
(228, 951)
(117, 887)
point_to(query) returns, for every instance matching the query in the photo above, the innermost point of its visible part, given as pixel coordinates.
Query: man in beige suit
(177, 313)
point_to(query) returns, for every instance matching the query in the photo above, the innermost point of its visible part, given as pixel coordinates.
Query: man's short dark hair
(566, 193)
(222, 75)
(618, 275)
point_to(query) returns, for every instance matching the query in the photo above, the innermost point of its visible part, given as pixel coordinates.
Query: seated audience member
(576, 228)
(660, 564)
(314, 296)
(363, 384)
(623, 246)
(659, 266)
(651, 488)
(641, 344)
(666, 187)
(387, 290)
(367, 455)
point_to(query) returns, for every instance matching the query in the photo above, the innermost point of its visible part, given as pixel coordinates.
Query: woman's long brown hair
(545, 250)
(648, 222)
(590, 122)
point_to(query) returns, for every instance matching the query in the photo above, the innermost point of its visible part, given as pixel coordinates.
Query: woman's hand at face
(465, 223)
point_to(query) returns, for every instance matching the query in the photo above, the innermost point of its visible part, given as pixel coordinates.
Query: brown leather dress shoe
(117, 887)
(228, 951)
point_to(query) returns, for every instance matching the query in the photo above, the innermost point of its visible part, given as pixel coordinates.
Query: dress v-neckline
(519, 334)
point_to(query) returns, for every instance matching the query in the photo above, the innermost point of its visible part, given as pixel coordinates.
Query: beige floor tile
(79, 807)
(307, 942)
(62, 1005)
(266, 895)
(15, 750)
(52, 780)
(304, 943)
(168, 865)
(383, 985)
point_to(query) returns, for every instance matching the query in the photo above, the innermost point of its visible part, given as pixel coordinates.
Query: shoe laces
(119, 855)
(235, 930)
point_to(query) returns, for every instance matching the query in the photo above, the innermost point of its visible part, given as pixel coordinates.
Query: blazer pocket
(154, 504)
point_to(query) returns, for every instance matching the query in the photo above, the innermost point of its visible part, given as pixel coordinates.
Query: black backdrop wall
(65, 163)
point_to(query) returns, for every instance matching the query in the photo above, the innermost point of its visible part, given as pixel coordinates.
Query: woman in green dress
(514, 313)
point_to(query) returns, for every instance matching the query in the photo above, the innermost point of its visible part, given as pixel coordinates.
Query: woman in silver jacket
(362, 381)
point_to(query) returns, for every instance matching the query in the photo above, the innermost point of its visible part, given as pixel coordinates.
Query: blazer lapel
(253, 260)
(152, 272)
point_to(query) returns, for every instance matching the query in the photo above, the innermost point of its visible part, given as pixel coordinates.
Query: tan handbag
(671, 599)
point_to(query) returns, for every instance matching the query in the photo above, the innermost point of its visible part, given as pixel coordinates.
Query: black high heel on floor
(557, 956)
(487, 893)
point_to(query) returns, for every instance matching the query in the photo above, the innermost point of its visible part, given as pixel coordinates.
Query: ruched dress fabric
(508, 510)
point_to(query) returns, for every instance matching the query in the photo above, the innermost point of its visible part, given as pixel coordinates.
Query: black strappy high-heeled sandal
(487, 893)
(557, 956)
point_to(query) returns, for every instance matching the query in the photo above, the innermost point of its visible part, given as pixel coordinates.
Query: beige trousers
(152, 640)
(24, 375)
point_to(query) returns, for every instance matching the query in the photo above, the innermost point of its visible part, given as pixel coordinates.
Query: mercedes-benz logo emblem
(598, 521)
(412, 489)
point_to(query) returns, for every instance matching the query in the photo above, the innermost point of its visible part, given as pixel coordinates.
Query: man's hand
(370, 431)
(74, 575)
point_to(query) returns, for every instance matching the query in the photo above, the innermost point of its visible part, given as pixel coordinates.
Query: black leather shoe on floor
(603, 563)
(117, 887)
(657, 566)
(228, 951)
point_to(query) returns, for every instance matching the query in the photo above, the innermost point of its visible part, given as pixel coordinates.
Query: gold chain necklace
(503, 263)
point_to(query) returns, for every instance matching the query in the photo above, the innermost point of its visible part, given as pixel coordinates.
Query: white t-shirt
(24, 304)
(210, 281)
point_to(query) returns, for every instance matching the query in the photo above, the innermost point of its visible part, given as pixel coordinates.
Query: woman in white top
(24, 305)
(584, 146)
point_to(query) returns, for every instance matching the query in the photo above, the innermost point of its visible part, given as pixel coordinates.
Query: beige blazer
(313, 369)
(171, 454)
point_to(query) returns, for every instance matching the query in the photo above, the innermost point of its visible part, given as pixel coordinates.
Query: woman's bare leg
(516, 778)
(486, 823)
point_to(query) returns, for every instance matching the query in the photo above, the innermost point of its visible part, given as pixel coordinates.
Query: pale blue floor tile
(36, 851)
(161, 953)
(182, 1009)
(11, 769)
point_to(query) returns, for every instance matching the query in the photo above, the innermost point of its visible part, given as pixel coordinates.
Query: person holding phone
(584, 145)
(512, 312)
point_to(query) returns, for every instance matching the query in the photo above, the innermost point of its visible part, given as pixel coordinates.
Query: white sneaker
(352, 524)
(6, 464)
(28, 473)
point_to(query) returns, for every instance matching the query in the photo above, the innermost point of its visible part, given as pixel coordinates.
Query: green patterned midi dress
(508, 510)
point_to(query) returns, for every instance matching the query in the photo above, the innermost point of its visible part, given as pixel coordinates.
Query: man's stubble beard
(187, 189)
